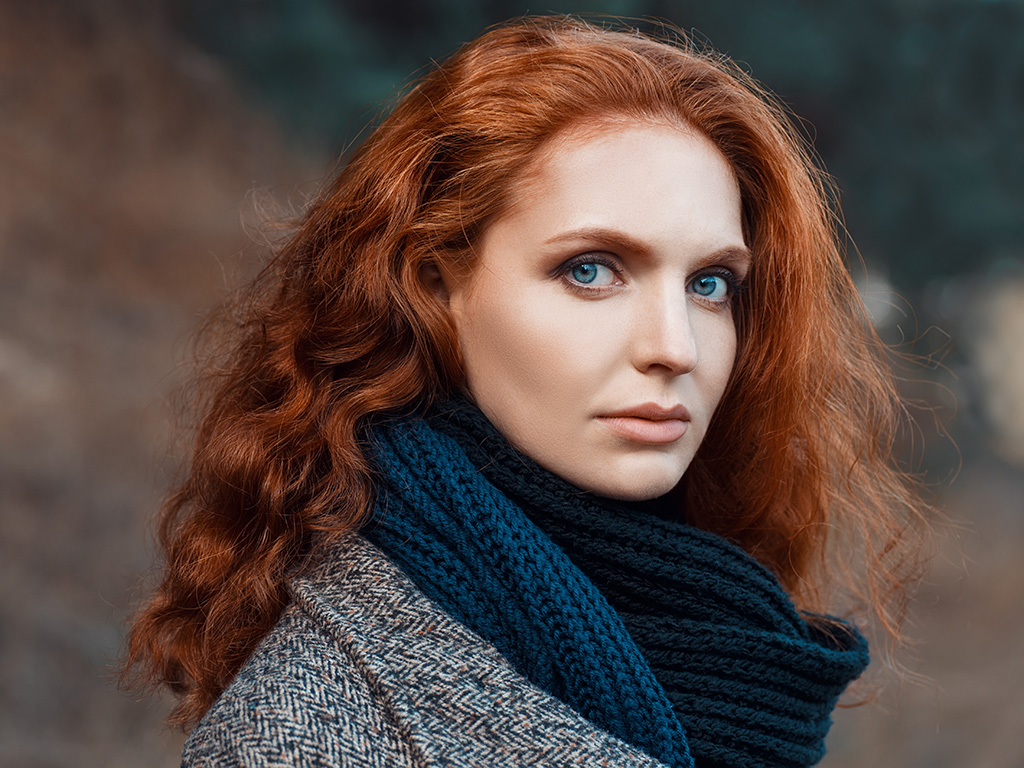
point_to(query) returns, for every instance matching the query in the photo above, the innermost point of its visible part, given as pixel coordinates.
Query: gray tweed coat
(364, 670)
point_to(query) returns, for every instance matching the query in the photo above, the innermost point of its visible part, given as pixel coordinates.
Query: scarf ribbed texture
(671, 638)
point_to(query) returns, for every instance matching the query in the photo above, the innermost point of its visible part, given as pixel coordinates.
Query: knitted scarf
(668, 637)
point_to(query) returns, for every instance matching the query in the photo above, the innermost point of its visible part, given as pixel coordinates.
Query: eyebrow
(735, 254)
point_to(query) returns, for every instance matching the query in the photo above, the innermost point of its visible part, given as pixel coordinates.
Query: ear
(433, 281)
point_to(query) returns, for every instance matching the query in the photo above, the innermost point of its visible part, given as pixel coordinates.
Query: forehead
(635, 174)
(549, 155)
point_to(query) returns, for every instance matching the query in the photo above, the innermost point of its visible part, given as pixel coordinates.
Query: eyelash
(734, 284)
(566, 269)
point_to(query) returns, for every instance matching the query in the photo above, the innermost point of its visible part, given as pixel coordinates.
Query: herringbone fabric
(364, 671)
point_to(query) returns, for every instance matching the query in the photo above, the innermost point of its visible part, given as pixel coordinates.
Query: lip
(648, 423)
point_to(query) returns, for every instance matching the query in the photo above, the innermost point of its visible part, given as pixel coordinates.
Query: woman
(552, 410)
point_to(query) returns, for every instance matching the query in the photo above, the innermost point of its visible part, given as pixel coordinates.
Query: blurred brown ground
(126, 161)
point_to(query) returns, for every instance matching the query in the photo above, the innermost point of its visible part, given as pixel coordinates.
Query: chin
(633, 493)
(636, 485)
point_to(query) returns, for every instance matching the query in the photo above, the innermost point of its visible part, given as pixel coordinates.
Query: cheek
(721, 358)
(517, 346)
(530, 354)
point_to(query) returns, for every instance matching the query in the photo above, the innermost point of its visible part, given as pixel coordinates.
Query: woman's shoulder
(364, 670)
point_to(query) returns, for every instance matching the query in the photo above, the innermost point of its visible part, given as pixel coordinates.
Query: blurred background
(141, 139)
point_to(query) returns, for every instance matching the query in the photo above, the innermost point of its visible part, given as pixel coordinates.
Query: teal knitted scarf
(668, 637)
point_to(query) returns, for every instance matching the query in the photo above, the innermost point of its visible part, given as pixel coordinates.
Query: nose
(663, 336)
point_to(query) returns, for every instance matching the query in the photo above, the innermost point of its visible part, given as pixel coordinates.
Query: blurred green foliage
(916, 106)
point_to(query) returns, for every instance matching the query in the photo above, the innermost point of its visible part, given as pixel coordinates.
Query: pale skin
(597, 329)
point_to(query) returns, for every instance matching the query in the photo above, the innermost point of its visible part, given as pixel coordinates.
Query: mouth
(649, 423)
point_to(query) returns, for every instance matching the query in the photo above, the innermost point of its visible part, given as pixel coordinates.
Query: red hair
(341, 326)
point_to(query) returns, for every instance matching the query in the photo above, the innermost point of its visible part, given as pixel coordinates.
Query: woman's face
(596, 330)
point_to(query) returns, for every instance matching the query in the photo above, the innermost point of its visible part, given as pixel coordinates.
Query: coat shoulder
(364, 671)
(298, 700)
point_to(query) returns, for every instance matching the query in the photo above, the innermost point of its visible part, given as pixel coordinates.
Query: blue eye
(591, 273)
(713, 287)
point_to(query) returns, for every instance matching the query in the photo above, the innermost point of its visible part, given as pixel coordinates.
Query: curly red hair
(342, 326)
